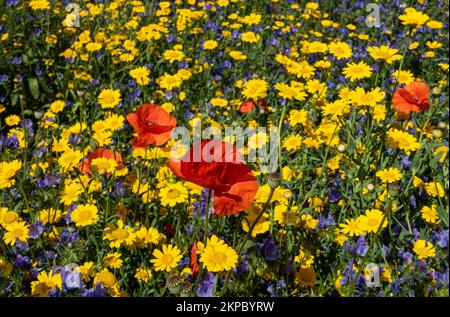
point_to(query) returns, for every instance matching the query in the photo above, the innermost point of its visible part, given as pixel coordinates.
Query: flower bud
(274, 180)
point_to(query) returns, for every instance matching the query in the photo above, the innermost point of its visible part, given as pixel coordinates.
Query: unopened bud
(274, 180)
(81, 93)
(38, 114)
(341, 148)
(287, 195)
(437, 133)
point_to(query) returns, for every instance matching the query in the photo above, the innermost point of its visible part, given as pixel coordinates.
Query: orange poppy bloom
(152, 124)
(251, 105)
(195, 268)
(218, 166)
(411, 98)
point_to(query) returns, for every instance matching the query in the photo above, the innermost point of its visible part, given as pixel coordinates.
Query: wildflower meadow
(212, 148)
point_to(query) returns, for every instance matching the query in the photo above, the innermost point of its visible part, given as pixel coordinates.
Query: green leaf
(443, 215)
(248, 244)
(34, 87)
(25, 59)
(14, 99)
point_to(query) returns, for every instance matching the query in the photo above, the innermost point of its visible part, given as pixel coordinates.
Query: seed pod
(274, 180)
(173, 283)
(186, 288)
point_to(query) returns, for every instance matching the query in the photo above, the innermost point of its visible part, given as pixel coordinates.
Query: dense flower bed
(98, 198)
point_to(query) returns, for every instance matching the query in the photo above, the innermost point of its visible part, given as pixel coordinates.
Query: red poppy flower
(218, 166)
(195, 268)
(412, 98)
(152, 124)
(168, 228)
(251, 105)
(85, 166)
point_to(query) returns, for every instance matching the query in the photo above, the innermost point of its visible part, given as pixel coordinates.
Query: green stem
(280, 124)
(207, 215)
(375, 238)
(242, 244)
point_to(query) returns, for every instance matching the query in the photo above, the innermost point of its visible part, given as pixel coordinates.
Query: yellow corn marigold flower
(351, 227)
(169, 82)
(443, 150)
(219, 102)
(292, 142)
(403, 77)
(336, 109)
(290, 92)
(143, 274)
(109, 98)
(429, 214)
(298, 117)
(103, 165)
(403, 141)
(87, 271)
(217, 256)
(113, 260)
(45, 283)
(106, 278)
(8, 217)
(173, 194)
(237, 55)
(7, 171)
(50, 215)
(385, 53)
(146, 236)
(370, 98)
(93, 47)
(357, 71)
(262, 226)
(12, 120)
(167, 259)
(210, 45)
(173, 55)
(433, 24)
(255, 89)
(57, 106)
(16, 231)
(371, 221)
(39, 4)
(434, 189)
(413, 17)
(250, 37)
(72, 190)
(70, 159)
(304, 259)
(118, 235)
(308, 221)
(140, 74)
(389, 175)
(340, 50)
(424, 249)
(305, 277)
(85, 215)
